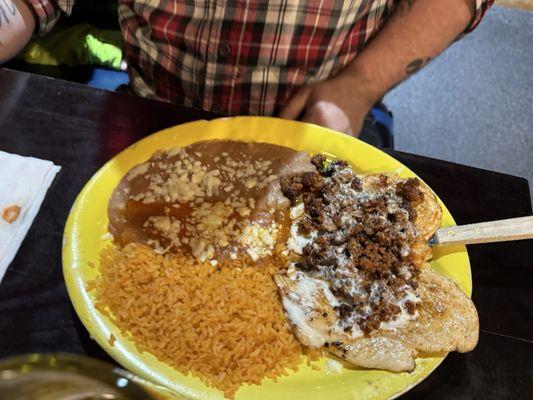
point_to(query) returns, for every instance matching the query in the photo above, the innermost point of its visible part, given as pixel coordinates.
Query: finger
(296, 105)
(313, 115)
(314, 111)
(329, 115)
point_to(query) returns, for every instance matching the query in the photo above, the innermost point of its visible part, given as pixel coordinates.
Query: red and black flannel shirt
(238, 56)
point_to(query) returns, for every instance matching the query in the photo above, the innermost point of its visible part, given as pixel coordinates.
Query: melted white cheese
(302, 307)
(297, 242)
(311, 337)
(403, 318)
(307, 289)
(297, 211)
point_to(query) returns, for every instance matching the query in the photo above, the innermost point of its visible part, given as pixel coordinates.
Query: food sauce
(214, 199)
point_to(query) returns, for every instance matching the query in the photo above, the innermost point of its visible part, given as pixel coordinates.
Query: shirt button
(224, 50)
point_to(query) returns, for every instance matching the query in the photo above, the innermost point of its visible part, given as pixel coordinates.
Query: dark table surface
(80, 128)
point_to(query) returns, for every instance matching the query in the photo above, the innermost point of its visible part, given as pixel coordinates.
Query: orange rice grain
(224, 325)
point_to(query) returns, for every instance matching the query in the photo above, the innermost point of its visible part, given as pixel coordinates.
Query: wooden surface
(80, 128)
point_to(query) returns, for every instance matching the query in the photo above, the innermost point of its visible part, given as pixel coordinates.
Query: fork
(484, 232)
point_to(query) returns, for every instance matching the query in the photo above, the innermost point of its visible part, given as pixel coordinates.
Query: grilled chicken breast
(445, 319)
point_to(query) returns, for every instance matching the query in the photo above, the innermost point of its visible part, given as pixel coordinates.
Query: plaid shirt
(240, 56)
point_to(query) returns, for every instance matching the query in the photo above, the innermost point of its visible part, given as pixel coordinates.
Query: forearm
(417, 31)
(17, 24)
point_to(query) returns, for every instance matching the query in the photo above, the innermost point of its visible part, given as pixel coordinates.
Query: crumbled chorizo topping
(358, 240)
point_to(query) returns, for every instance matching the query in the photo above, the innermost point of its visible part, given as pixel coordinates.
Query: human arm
(17, 24)
(20, 19)
(417, 31)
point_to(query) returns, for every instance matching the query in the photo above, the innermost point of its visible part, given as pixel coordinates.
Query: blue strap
(107, 79)
(383, 118)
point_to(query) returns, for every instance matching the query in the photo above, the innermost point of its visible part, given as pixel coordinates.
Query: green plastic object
(73, 46)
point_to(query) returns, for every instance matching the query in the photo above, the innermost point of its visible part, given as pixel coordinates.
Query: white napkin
(23, 183)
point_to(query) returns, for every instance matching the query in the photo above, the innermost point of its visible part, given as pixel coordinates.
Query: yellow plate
(86, 227)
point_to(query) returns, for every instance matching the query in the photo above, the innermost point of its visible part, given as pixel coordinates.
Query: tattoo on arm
(416, 65)
(7, 10)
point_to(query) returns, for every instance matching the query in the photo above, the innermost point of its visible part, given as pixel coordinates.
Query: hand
(339, 104)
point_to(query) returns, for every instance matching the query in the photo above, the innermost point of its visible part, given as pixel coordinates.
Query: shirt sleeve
(481, 8)
(49, 11)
